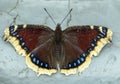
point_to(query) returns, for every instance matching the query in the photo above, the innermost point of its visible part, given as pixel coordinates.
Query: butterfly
(48, 51)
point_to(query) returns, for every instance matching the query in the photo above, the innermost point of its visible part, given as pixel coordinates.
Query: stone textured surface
(104, 69)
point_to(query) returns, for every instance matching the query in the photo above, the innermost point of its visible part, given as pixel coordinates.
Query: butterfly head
(58, 28)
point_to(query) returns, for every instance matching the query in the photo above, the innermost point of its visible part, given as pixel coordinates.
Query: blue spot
(69, 65)
(21, 39)
(104, 34)
(17, 36)
(41, 64)
(78, 61)
(95, 39)
(101, 35)
(84, 55)
(82, 59)
(12, 28)
(32, 55)
(89, 49)
(98, 37)
(104, 30)
(25, 48)
(92, 44)
(74, 64)
(34, 59)
(37, 61)
(13, 33)
(46, 65)
(23, 43)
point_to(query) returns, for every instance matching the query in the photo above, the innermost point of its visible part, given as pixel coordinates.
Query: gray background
(104, 69)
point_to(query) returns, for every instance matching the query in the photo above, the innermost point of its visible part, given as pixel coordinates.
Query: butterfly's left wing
(81, 43)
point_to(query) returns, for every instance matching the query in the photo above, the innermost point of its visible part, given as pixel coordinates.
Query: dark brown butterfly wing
(34, 42)
(81, 43)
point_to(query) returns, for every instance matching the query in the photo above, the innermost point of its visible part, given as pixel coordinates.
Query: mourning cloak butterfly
(46, 49)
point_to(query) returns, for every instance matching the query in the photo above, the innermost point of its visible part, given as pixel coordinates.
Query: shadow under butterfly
(47, 50)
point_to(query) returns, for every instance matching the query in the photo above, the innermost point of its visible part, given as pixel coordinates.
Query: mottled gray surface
(104, 69)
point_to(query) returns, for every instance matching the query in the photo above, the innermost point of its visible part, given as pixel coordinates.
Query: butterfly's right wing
(34, 42)
(80, 44)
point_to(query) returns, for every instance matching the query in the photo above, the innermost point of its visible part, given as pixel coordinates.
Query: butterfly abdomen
(58, 53)
(57, 50)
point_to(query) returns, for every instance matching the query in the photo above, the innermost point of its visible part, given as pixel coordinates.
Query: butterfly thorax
(58, 34)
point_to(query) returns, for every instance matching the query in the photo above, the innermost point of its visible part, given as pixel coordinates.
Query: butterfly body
(45, 49)
(57, 47)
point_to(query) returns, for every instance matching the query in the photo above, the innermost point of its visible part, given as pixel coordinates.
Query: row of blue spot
(98, 37)
(38, 62)
(78, 62)
(15, 34)
(82, 57)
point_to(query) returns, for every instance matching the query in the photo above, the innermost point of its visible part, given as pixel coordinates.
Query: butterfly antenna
(50, 16)
(66, 16)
